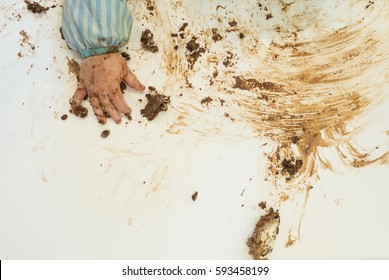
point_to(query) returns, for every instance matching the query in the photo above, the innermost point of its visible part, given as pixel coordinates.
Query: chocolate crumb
(262, 205)
(228, 60)
(35, 7)
(64, 117)
(182, 28)
(194, 196)
(215, 35)
(126, 56)
(105, 133)
(192, 45)
(206, 101)
(369, 5)
(150, 6)
(291, 166)
(147, 41)
(195, 51)
(156, 103)
(262, 240)
(233, 23)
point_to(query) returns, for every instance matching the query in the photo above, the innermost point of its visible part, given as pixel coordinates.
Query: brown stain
(321, 94)
(291, 240)
(285, 5)
(303, 96)
(74, 67)
(176, 127)
(26, 40)
(252, 84)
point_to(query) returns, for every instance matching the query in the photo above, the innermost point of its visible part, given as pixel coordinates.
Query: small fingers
(117, 100)
(132, 81)
(97, 108)
(109, 108)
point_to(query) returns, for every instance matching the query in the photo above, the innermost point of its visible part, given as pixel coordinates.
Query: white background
(66, 193)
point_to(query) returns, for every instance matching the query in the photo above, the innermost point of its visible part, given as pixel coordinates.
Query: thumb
(132, 81)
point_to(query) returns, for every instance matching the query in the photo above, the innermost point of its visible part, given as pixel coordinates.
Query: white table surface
(66, 193)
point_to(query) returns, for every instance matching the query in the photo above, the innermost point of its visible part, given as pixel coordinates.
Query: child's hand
(100, 78)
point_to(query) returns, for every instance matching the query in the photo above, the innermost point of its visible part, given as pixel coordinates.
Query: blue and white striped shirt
(95, 27)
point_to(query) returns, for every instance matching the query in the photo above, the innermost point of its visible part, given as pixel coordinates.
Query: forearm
(95, 27)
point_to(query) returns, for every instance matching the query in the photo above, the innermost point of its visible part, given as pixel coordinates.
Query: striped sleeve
(95, 27)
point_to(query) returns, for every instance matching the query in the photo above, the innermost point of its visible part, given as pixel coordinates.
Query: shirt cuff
(97, 51)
